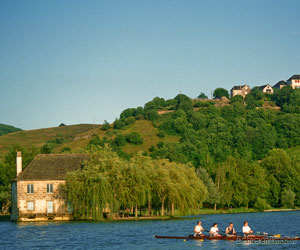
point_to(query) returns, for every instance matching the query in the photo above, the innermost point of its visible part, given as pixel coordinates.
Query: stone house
(36, 191)
(267, 89)
(280, 85)
(240, 90)
(294, 81)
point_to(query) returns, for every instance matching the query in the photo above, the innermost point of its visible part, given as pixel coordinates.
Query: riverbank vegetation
(183, 154)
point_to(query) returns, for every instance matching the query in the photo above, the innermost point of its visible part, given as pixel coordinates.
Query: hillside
(37, 138)
(6, 129)
(143, 127)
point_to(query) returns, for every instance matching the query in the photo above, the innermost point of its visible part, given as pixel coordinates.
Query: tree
(220, 92)
(105, 125)
(288, 198)
(213, 197)
(202, 96)
(134, 138)
(237, 98)
(183, 102)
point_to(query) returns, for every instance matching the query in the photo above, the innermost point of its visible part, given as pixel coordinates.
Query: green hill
(37, 138)
(6, 129)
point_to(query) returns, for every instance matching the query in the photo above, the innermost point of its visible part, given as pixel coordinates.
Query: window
(49, 188)
(30, 189)
(30, 205)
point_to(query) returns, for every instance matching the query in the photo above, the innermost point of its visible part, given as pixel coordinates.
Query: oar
(267, 234)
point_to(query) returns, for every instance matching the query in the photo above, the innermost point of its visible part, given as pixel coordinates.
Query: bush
(203, 104)
(120, 140)
(161, 134)
(47, 148)
(288, 198)
(134, 138)
(129, 120)
(118, 124)
(261, 204)
(95, 140)
(237, 98)
(151, 115)
(105, 125)
(66, 150)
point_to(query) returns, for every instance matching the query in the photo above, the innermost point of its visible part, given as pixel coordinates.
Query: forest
(227, 156)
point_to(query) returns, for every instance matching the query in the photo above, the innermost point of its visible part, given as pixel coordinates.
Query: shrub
(134, 138)
(129, 120)
(118, 124)
(161, 134)
(95, 140)
(120, 140)
(288, 198)
(66, 150)
(105, 125)
(261, 204)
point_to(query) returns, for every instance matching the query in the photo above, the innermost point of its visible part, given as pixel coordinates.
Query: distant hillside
(143, 127)
(37, 138)
(6, 129)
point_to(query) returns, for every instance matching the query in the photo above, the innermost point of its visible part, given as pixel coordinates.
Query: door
(49, 207)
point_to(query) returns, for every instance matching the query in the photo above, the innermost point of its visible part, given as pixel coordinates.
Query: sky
(72, 62)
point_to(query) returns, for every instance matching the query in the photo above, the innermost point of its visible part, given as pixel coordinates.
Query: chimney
(19, 163)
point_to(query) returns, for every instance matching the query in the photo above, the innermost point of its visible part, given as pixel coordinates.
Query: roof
(280, 83)
(52, 166)
(294, 77)
(239, 87)
(262, 87)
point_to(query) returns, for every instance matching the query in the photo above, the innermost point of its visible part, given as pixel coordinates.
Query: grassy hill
(143, 127)
(37, 138)
(78, 136)
(6, 129)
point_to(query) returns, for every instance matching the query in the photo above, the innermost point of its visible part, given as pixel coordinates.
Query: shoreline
(6, 217)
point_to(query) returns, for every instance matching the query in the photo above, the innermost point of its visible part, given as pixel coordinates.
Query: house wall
(243, 92)
(268, 89)
(39, 198)
(295, 83)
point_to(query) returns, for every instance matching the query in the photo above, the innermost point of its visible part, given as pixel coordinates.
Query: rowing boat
(233, 238)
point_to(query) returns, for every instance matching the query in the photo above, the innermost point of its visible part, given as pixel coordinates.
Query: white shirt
(246, 229)
(214, 230)
(198, 229)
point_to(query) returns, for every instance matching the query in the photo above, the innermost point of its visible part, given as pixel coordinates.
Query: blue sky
(70, 61)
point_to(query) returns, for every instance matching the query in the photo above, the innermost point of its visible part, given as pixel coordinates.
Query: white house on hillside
(294, 81)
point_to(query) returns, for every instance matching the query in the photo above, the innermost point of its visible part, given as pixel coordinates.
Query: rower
(246, 229)
(230, 231)
(214, 230)
(198, 229)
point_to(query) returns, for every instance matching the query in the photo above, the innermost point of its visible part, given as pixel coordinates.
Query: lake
(139, 234)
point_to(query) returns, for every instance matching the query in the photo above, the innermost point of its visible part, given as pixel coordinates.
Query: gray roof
(52, 166)
(262, 87)
(238, 87)
(294, 77)
(277, 85)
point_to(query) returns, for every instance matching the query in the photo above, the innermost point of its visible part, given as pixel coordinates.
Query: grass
(78, 136)
(37, 138)
(143, 127)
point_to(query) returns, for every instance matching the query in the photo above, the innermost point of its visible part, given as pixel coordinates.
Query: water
(139, 234)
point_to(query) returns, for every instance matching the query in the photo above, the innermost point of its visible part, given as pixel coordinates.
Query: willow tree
(88, 192)
(189, 191)
(146, 164)
(162, 183)
(128, 182)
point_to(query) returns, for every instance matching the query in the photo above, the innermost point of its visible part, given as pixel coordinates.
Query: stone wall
(40, 197)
